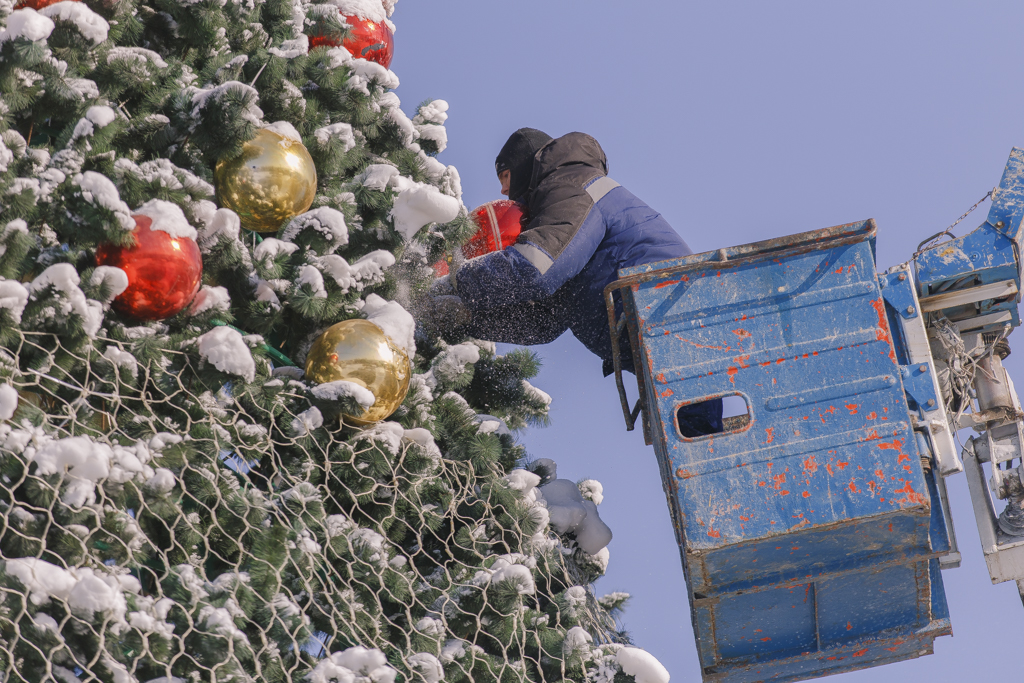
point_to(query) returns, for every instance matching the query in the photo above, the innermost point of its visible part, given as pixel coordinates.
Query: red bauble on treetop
(368, 39)
(164, 271)
(500, 225)
(35, 4)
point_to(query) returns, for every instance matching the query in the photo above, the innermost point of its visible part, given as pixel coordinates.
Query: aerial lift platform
(815, 526)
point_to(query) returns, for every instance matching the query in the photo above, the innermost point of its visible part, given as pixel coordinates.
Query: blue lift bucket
(810, 526)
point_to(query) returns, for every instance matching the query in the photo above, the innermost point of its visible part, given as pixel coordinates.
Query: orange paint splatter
(732, 373)
(849, 626)
(779, 479)
(770, 431)
(912, 495)
(666, 283)
(666, 393)
(853, 487)
(872, 435)
(714, 533)
(860, 653)
(742, 361)
(810, 465)
(806, 494)
(684, 474)
(871, 416)
(852, 407)
(895, 445)
(783, 492)
(882, 332)
(831, 410)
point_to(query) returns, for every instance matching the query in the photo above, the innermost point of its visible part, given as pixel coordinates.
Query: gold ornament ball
(100, 420)
(358, 351)
(270, 182)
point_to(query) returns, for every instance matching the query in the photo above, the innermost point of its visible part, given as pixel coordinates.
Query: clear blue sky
(739, 122)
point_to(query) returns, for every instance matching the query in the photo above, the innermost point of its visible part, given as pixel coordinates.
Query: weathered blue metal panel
(807, 527)
(917, 382)
(1007, 208)
(987, 255)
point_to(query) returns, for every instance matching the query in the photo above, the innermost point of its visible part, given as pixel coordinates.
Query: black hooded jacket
(583, 227)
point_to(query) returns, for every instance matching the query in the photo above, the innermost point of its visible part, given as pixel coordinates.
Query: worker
(580, 228)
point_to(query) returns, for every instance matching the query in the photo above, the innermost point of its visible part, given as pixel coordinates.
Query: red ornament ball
(500, 223)
(164, 272)
(35, 4)
(371, 40)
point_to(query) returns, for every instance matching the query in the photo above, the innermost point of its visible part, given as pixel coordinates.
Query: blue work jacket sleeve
(555, 247)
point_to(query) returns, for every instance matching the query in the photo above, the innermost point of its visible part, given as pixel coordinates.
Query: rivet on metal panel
(922, 367)
(903, 276)
(910, 310)
(999, 224)
(931, 401)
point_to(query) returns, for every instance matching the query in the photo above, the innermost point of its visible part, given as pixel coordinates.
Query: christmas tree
(196, 485)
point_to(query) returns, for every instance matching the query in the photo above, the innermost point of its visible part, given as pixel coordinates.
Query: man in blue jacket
(583, 227)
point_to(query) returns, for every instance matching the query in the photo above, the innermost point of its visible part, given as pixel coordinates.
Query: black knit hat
(517, 156)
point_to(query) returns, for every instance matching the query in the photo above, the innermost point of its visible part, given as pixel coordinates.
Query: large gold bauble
(100, 420)
(358, 351)
(272, 181)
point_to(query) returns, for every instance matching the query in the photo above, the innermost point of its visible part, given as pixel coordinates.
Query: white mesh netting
(155, 529)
